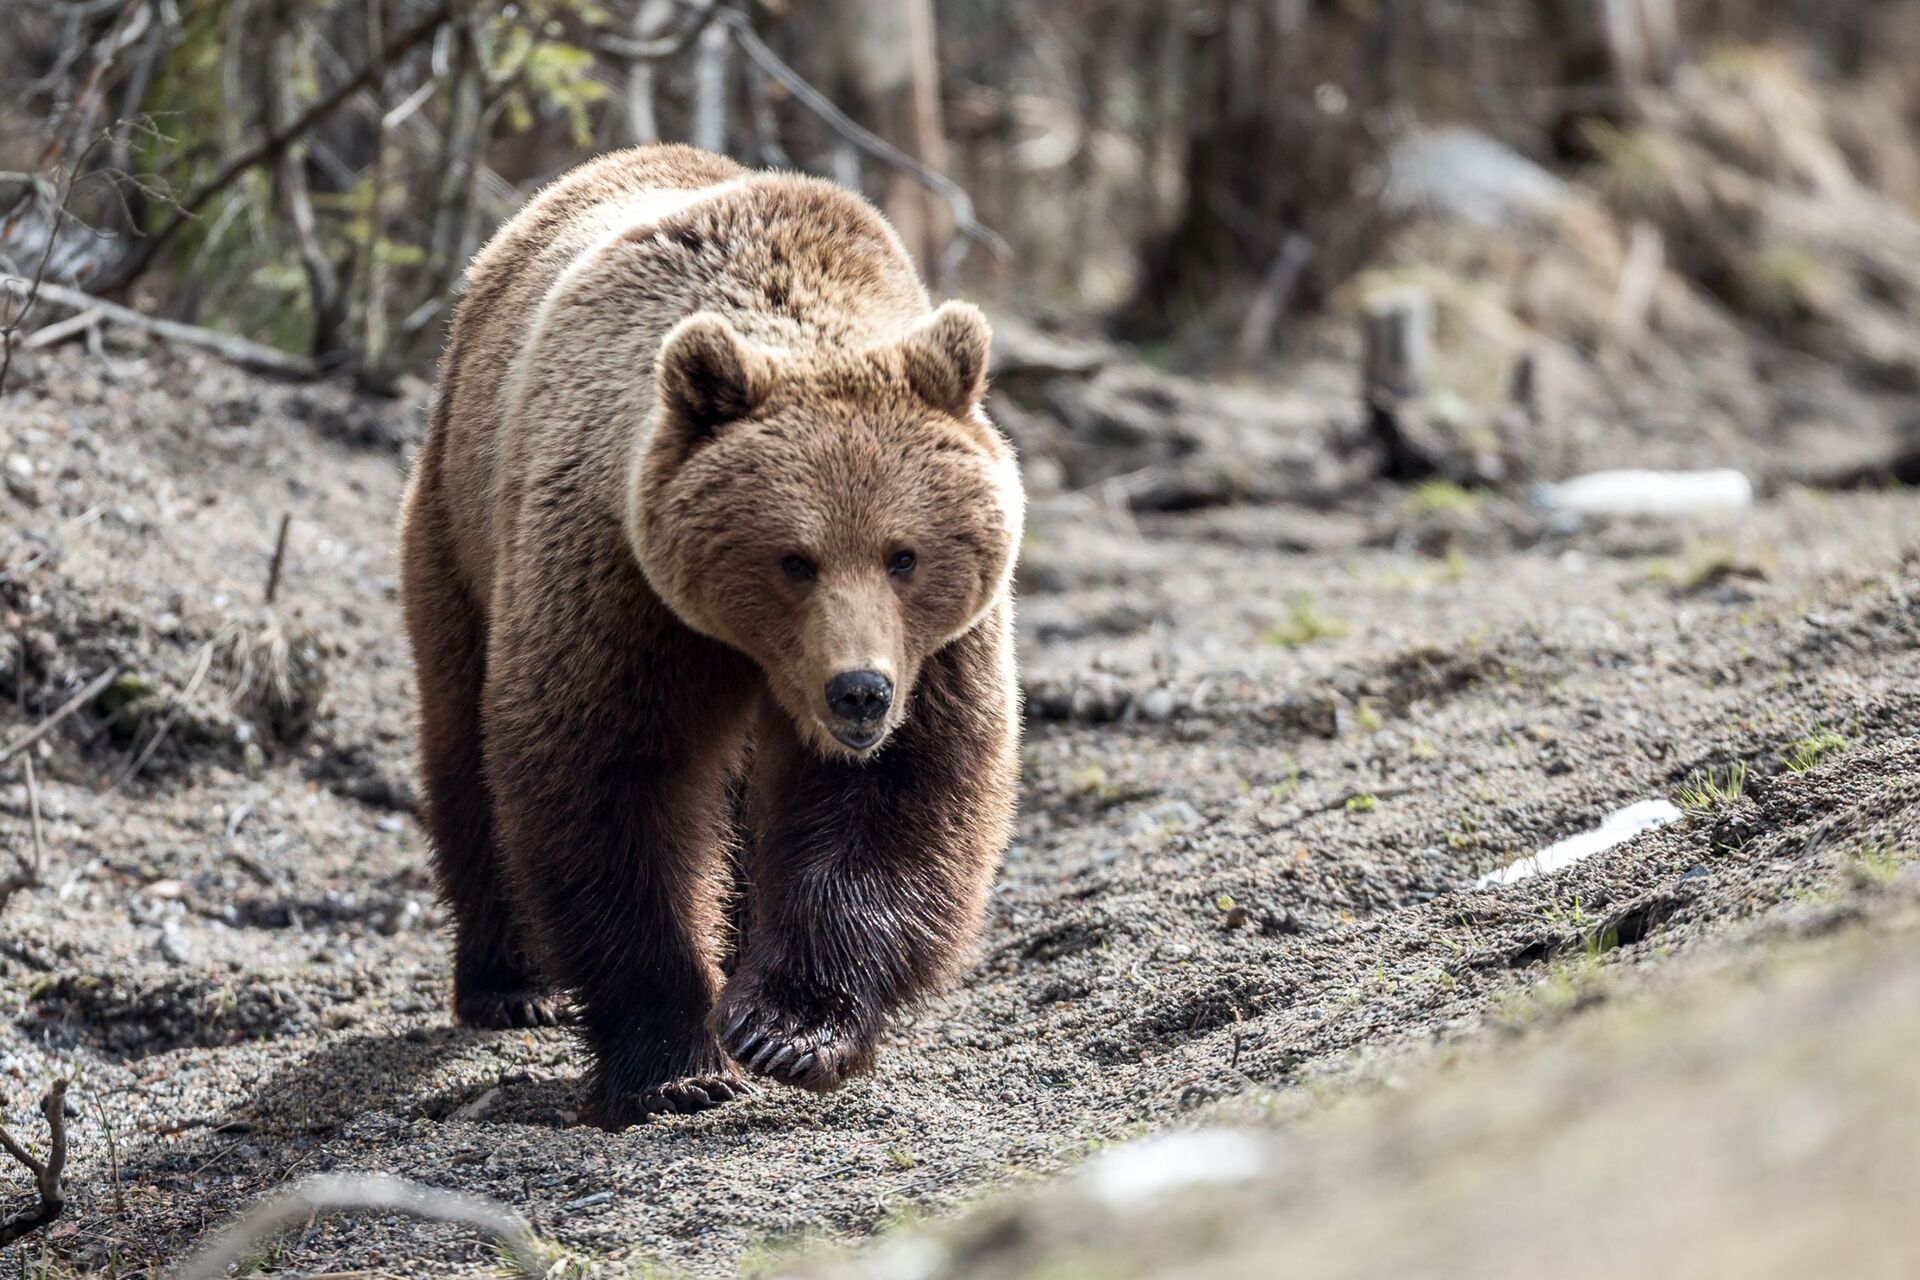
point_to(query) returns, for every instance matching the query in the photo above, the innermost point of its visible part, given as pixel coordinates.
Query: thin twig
(173, 714)
(67, 708)
(113, 1157)
(279, 557)
(47, 1174)
(367, 1193)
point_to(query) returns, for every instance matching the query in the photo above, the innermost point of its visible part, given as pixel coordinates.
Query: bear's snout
(859, 701)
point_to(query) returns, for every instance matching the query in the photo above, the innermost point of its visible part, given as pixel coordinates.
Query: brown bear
(706, 563)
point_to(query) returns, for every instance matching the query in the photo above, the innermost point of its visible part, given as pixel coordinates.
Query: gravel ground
(1273, 748)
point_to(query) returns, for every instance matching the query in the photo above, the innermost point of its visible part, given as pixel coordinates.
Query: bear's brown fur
(701, 447)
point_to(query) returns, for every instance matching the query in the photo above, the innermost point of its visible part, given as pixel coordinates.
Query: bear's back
(550, 366)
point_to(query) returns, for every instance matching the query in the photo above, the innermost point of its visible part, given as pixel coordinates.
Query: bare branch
(278, 140)
(668, 46)
(47, 1174)
(108, 48)
(368, 1193)
(61, 330)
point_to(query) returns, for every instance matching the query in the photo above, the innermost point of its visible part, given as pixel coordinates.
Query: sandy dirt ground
(1273, 747)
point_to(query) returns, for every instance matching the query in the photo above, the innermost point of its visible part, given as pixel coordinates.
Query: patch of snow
(906, 1258)
(1616, 828)
(1647, 493)
(1136, 1172)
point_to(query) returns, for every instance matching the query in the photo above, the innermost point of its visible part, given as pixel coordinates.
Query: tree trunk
(891, 83)
(1281, 142)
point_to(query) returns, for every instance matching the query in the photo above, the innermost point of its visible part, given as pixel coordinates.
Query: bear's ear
(708, 375)
(946, 357)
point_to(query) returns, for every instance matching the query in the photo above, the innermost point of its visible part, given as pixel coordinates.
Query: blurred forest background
(1197, 172)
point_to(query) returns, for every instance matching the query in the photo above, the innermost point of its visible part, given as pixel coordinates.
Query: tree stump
(1397, 336)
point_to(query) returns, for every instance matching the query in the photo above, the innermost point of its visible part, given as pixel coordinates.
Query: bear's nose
(859, 695)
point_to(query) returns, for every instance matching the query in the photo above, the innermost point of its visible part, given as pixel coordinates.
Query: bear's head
(835, 519)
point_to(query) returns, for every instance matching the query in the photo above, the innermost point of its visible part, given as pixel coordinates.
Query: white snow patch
(1139, 1171)
(1616, 828)
(1647, 493)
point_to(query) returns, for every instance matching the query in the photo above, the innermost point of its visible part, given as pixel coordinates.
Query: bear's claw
(509, 1010)
(817, 1058)
(677, 1097)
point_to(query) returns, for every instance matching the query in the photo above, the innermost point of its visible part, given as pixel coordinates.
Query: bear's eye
(901, 563)
(797, 568)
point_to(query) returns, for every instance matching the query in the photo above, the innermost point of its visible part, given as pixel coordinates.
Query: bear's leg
(609, 759)
(494, 983)
(868, 879)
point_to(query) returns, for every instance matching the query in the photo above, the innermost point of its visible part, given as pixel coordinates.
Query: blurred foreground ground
(1755, 1117)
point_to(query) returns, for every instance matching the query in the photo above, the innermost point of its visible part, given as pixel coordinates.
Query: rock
(403, 916)
(174, 944)
(1158, 705)
(1462, 173)
(20, 479)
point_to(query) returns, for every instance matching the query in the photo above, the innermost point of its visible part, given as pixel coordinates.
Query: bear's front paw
(820, 1058)
(683, 1096)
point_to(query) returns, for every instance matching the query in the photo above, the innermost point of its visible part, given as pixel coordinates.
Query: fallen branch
(46, 1173)
(368, 1193)
(241, 351)
(60, 330)
(278, 140)
(67, 708)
